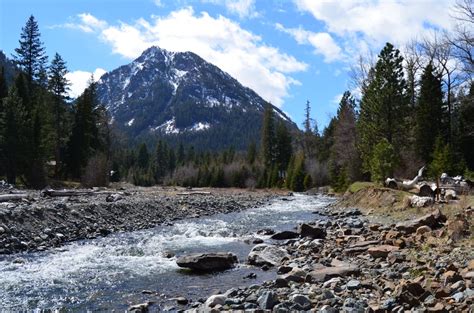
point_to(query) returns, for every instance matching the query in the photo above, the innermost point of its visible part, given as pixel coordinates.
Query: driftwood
(65, 193)
(191, 193)
(13, 197)
(406, 184)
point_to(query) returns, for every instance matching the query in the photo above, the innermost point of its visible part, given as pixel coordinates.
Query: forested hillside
(412, 107)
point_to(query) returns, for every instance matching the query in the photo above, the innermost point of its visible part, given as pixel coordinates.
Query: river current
(122, 269)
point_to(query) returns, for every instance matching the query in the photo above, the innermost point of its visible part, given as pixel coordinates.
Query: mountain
(181, 97)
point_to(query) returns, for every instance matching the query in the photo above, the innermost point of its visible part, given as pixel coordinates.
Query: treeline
(42, 135)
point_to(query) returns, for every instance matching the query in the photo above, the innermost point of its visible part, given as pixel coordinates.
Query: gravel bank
(37, 223)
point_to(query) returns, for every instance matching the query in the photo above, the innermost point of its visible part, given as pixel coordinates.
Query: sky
(288, 51)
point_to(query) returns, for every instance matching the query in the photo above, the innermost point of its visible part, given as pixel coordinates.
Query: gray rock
(302, 300)
(263, 254)
(458, 297)
(208, 262)
(214, 300)
(267, 300)
(306, 230)
(283, 235)
(353, 284)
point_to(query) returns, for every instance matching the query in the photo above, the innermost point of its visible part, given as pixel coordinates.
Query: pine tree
(143, 158)
(466, 128)
(283, 147)
(268, 137)
(344, 158)
(12, 135)
(85, 139)
(251, 152)
(58, 85)
(31, 55)
(3, 85)
(180, 158)
(161, 160)
(429, 113)
(298, 175)
(383, 161)
(384, 106)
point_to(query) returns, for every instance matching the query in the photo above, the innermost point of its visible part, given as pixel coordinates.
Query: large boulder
(432, 220)
(208, 262)
(326, 273)
(283, 235)
(381, 251)
(263, 254)
(305, 230)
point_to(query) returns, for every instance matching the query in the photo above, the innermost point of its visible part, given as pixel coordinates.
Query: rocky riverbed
(38, 222)
(349, 264)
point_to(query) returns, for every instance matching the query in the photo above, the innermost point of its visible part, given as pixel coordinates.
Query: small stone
(353, 284)
(458, 297)
(423, 230)
(281, 283)
(302, 300)
(283, 235)
(306, 230)
(451, 276)
(381, 251)
(439, 307)
(214, 300)
(182, 300)
(267, 300)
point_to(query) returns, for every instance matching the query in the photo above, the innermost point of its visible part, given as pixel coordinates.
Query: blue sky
(288, 51)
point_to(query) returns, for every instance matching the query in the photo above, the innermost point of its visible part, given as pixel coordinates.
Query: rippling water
(111, 272)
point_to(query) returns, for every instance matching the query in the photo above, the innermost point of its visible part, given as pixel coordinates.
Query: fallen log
(13, 197)
(406, 184)
(65, 193)
(193, 193)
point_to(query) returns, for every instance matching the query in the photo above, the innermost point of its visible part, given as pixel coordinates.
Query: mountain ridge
(180, 96)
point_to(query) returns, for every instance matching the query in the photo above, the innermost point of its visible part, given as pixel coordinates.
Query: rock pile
(357, 266)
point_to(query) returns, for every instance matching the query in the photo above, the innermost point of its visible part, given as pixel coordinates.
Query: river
(113, 272)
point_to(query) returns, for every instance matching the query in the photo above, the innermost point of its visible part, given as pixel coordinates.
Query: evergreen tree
(283, 148)
(85, 139)
(31, 55)
(251, 153)
(143, 158)
(466, 128)
(180, 158)
(344, 157)
(429, 113)
(161, 160)
(383, 161)
(384, 104)
(12, 135)
(3, 85)
(268, 137)
(298, 175)
(58, 85)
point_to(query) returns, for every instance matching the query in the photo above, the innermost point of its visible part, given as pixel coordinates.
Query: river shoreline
(366, 263)
(39, 223)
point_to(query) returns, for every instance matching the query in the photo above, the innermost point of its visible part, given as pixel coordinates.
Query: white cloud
(378, 21)
(322, 42)
(336, 100)
(242, 8)
(219, 40)
(158, 3)
(80, 79)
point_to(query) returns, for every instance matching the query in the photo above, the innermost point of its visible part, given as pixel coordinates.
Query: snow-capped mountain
(178, 94)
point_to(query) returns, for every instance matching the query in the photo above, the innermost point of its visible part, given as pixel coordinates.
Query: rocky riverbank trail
(42, 220)
(360, 266)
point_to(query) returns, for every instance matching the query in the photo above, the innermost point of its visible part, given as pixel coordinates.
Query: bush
(308, 182)
(383, 161)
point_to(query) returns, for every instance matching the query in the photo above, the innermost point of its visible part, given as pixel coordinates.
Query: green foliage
(429, 113)
(297, 180)
(31, 55)
(268, 137)
(383, 161)
(283, 147)
(143, 158)
(251, 152)
(441, 159)
(384, 106)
